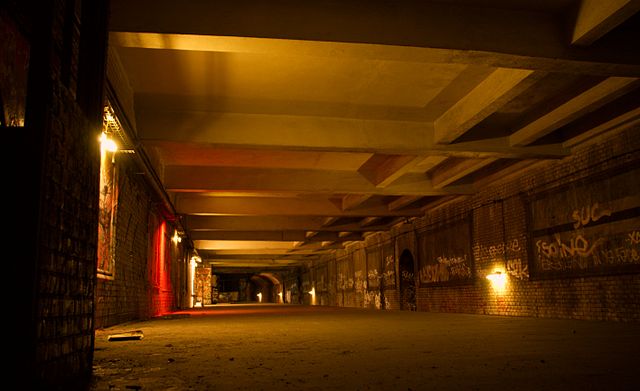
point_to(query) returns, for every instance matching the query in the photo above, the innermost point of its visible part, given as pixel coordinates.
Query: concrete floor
(269, 347)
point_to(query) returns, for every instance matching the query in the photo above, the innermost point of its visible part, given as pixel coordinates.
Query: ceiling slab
(282, 131)
(466, 30)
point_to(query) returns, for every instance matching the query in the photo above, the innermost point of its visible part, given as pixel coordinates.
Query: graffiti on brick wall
(389, 275)
(585, 215)
(373, 299)
(518, 269)
(360, 282)
(447, 268)
(590, 228)
(511, 252)
(381, 266)
(502, 249)
(373, 278)
(445, 254)
(345, 276)
(345, 282)
(559, 248)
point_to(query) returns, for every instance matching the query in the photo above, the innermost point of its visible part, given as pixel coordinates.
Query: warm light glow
(312, 292)
(108, 144)
(498, 281)
(259, 297)
(193, 262)
(160, 272)
(280, 296)
(176, 238)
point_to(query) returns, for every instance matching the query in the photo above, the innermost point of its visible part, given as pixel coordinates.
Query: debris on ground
(126, 336)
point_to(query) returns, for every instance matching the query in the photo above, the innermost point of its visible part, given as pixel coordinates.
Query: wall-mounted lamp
(176, 238)
(259, 297)
(280, 296)
(498, 280)
(108, 144)
(312, 292)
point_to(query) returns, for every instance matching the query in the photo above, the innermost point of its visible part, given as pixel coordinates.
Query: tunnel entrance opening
(407, 282)
(261, 289)
(246, 288)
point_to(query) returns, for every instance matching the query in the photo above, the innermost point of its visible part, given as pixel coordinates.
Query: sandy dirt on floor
(276, 347)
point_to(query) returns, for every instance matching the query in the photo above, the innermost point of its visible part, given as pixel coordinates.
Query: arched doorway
(260, 289)
(407, 282)
(275, 295)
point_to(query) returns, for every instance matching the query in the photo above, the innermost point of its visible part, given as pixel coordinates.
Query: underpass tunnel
(441, 158)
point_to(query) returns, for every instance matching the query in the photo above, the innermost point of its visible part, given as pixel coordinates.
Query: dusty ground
(240, 347)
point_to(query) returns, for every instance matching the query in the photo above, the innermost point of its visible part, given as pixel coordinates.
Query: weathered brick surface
(500, 240)
(125, 297)
(66, 262)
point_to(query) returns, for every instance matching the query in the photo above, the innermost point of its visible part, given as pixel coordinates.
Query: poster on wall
(14, 68)
(108, 206)
(590, 227)
(445, 255)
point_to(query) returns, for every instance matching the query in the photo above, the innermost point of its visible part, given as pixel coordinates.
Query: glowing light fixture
(498, 280)
(176, 238)
(259, 297)
(280, 296)
(108, 144)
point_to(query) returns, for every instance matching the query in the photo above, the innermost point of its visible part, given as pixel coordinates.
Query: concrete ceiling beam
(390, 139)
(497, 89)
(449, 173)
(617, 123)
(209, 179)
(382, 170)
(271, 223)
(352, 201)
(401, 202)
(595, 18)
(589, 100)
(298, 236)
(274, 206)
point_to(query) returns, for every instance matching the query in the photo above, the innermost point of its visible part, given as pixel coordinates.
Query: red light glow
(160, 276)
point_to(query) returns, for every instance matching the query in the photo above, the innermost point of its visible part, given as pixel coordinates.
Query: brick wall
(125, 296)
(500, 238)
(57, 183)
(150, 269)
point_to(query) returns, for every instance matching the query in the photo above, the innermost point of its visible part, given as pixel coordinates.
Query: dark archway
(260, 284)
(407, 282)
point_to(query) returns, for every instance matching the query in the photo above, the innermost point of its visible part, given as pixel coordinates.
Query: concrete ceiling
(283, 130)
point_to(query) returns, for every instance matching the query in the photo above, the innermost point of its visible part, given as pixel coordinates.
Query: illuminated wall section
(160, 268)
(108, 198)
